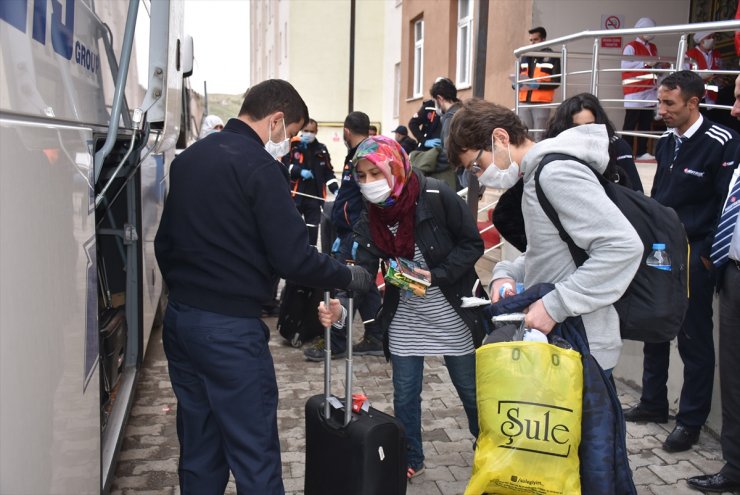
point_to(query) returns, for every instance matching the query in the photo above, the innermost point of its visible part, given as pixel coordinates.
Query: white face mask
(276, 150)
(375, 192)
(308, 137)
(494, 177)
(707, 44)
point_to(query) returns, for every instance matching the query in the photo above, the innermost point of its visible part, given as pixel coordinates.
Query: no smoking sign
(611, 22)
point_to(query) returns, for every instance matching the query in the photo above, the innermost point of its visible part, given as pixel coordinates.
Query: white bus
(91, 107)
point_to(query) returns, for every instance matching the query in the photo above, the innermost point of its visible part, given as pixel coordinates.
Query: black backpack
(652, 308)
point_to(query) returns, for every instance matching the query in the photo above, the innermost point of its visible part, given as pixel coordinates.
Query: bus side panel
(49, 385)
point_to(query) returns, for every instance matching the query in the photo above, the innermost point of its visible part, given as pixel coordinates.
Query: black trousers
(311, 211)
(696, 348)
(638, 119)
(729, 350)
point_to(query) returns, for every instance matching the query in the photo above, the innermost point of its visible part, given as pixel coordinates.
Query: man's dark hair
(539, 30)
(311, 121)
(358, 123)
(274, 95)
(373, 128)
(690, 83)
(445, 88)
(472, 126)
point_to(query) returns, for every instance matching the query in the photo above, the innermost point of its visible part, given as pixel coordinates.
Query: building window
(396, 89)
(464, 41)
(418, 58)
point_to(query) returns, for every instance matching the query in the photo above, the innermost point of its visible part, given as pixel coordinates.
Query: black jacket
(695, 183)
(450, 250)
(348, 205)
(230, 228)
(315, 158)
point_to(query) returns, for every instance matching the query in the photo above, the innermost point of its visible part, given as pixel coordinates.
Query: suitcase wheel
(296, 340)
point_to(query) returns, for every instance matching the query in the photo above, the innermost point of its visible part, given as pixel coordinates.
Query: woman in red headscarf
(420, 219)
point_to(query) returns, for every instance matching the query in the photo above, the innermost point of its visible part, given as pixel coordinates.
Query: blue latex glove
(335, 246)
(354, 250)
(306, 174)
(433, 143)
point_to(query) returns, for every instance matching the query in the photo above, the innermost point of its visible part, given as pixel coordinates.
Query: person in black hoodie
(228, 230)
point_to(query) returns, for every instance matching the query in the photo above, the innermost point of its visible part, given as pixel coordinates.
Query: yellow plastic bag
(529, 412)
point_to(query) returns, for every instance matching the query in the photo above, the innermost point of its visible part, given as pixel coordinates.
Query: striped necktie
(726, 227)
(679, 142)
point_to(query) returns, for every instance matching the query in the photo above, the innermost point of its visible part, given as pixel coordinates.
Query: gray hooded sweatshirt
(595, 224)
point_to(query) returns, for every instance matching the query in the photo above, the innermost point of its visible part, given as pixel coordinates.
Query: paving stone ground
(148, 460)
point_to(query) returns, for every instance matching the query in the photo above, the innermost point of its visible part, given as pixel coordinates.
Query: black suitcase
(298, 321)
(351, 453)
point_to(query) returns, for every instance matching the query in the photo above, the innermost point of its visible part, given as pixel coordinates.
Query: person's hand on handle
(361, 279)
(330, 315)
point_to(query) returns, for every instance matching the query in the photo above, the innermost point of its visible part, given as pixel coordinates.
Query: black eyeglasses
(474, 167)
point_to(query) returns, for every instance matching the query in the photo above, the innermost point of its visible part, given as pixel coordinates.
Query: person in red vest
(706, 58)
(639, 87)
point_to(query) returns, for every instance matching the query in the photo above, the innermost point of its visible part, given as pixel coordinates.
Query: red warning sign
(611, 22)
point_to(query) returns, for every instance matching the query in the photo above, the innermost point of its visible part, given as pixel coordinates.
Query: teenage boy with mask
(228, 230)
(491, 141)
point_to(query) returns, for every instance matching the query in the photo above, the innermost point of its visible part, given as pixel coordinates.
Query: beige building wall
(306, 42)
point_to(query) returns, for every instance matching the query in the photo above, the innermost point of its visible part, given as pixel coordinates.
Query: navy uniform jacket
(696, 183)
(230, 228)
(348, 204)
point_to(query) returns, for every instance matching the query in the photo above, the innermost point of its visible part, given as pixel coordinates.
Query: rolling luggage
(298, 321)
(348, 452)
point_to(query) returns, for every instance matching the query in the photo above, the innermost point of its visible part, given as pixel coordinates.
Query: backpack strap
(579, 255)
(434, 199)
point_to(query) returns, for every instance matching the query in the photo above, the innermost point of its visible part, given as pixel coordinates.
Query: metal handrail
(596, 57)
(716, 26)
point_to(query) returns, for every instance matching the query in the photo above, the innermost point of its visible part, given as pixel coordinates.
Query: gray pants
(535, 118)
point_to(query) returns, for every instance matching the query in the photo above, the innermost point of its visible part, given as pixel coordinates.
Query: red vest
(701, 63)
(634, 81)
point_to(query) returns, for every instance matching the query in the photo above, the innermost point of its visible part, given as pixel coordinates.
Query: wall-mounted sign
(611, 22)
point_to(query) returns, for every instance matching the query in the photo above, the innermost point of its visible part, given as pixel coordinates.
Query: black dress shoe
(713, 483)
(639, 414)
(681, 438)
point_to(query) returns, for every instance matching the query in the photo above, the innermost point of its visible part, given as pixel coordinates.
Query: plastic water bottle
(659, 258)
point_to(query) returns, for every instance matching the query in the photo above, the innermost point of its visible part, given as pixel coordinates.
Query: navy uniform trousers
(224, 379)
(696, 347)
(729, 379)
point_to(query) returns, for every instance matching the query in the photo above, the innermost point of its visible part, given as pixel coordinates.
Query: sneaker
(368, 346)
(645, 157)
(640, 414)
(316, 352)
(412, 473)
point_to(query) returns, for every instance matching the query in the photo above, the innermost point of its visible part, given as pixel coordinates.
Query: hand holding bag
(529, 410)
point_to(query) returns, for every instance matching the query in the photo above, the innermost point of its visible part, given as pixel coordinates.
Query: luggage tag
(359, 403)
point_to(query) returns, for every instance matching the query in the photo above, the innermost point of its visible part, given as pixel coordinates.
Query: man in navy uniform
(696, 159)
(228, 230)
(726, 259)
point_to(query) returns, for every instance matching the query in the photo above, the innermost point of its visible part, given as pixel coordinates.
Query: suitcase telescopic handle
(327, 362)
(348, 370)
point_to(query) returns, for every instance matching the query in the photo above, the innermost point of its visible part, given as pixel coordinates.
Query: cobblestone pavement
(148, 461)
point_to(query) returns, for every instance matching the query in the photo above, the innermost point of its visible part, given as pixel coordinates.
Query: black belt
(737, 263)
